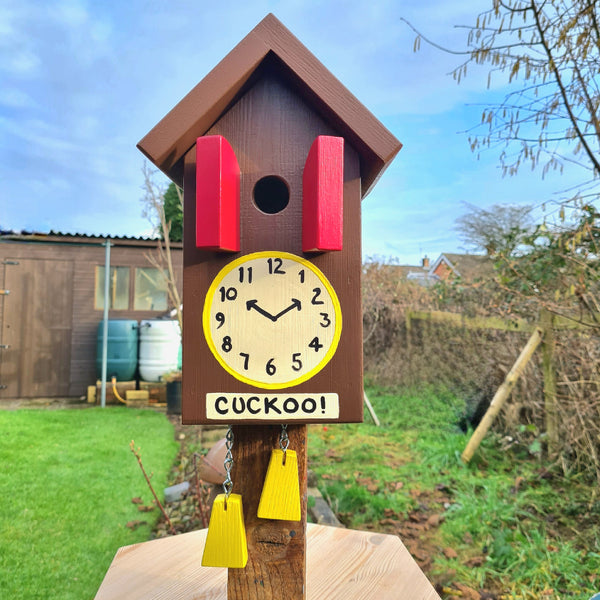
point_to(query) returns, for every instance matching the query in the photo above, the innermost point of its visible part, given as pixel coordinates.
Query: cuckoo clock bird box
(274, 156)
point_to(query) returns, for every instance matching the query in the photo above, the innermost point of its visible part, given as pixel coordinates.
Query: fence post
(549, 373)
(408, 326)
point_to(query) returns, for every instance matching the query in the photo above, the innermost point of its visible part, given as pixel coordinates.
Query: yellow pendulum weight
(226, 538)
(280, 498)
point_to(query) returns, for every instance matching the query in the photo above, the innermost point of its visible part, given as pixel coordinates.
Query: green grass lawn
(66, 483)
(518, 526)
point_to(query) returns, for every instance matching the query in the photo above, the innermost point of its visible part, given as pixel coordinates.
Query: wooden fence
(542, 333)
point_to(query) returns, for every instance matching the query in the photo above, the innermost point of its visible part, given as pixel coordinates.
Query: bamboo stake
(371, 409)
(502, 394)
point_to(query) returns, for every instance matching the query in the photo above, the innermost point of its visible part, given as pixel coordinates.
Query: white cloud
(15, 98)
(83, 81)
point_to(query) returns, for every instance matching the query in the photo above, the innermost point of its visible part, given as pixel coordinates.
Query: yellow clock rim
(271, 254)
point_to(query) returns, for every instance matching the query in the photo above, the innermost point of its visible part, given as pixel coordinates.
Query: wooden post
(549, 372)
(276, 549)
(502, 394)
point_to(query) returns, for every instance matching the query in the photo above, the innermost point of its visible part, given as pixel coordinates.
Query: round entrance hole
(271, 194)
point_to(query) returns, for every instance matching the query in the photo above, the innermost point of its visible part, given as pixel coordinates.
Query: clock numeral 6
(226, 345)
(297, 363)
(228, 293)
(270, 368)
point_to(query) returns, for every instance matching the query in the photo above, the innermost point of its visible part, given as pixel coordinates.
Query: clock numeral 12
(275, 266)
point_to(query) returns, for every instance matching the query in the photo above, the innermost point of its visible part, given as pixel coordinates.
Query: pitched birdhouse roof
(269, 46)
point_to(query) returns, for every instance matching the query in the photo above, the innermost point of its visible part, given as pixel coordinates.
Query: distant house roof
(416, 273)
(424, 277)
(58, 237)
(271, 46)
(469, 267)
(405, 270)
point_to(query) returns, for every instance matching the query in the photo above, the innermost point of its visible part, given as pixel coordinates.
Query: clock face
(272, 319)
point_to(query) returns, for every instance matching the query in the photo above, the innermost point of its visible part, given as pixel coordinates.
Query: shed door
(35, 328)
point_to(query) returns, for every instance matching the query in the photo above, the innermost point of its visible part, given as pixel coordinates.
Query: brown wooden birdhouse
(274, 156)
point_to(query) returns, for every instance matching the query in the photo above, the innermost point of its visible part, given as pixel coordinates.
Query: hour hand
(253, 304)
(295, 304)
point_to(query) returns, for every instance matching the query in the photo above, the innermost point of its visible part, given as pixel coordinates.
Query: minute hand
(295, 304)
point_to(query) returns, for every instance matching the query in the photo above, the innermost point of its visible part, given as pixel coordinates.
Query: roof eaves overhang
(167, 143)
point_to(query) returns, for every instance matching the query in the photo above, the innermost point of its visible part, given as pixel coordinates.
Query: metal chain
(284, 441)
(228, 464)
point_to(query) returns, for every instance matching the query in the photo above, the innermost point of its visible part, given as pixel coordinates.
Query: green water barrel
(122, 349)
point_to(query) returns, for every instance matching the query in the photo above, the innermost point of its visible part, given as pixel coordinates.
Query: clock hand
(295, 304)
(253, 304)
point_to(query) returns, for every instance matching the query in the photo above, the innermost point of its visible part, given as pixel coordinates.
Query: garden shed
(52, 300)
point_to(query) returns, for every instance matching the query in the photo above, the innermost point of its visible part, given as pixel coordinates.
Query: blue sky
(81, 82)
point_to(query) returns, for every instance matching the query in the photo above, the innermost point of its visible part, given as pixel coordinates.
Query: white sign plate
(271, 407)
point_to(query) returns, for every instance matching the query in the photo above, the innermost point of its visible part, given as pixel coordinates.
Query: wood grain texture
(226, 538)
(341, 565)
(271, 130)
(217, 195)
(280, 496)
(37, 328)
(323, 195)
(276, 549)
(68, 325)
(167, 143)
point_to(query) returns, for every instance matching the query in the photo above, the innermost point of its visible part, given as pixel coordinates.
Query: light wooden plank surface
(341, 565)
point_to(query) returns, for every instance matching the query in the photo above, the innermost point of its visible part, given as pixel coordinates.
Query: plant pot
(174, 397)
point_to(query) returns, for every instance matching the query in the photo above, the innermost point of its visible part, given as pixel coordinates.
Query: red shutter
(323, 195)
(217, 195)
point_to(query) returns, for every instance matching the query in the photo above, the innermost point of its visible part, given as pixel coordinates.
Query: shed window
(150, 289)
(118, 288)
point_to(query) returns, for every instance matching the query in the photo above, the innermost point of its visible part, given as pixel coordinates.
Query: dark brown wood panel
(271, 130)
(37, 328)
(79, 302)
